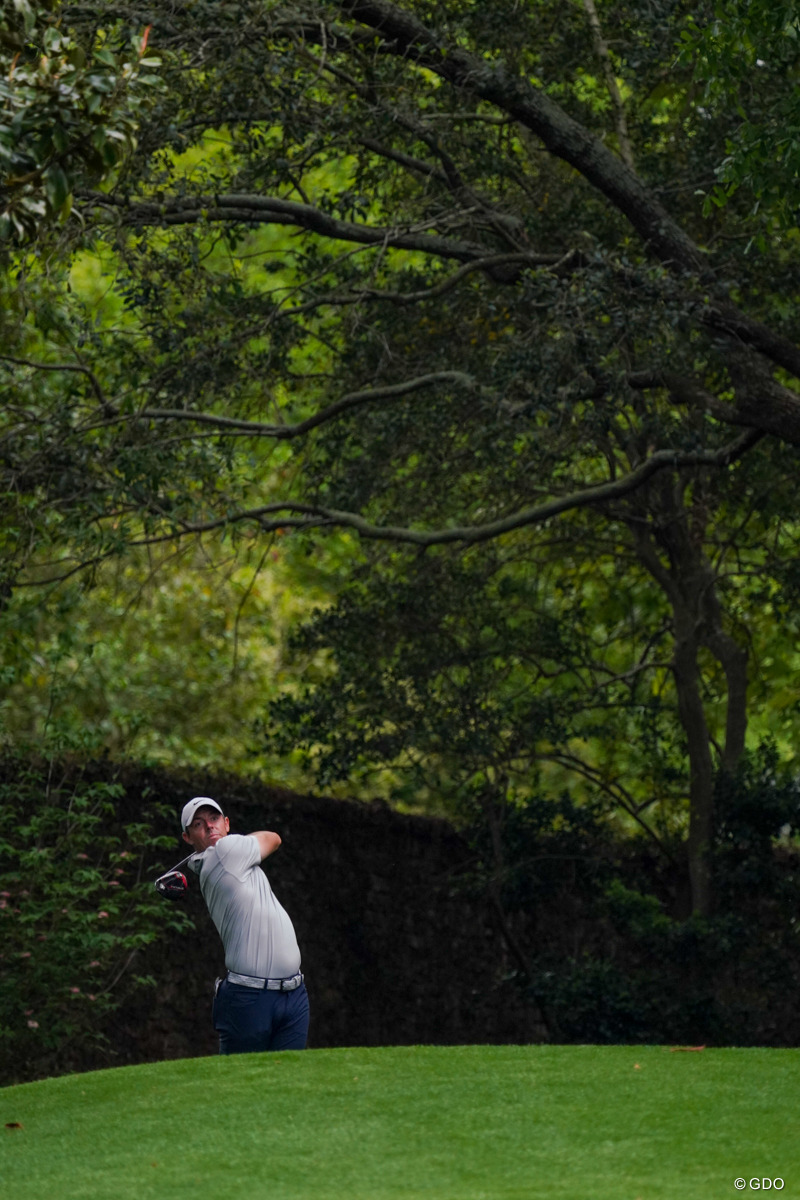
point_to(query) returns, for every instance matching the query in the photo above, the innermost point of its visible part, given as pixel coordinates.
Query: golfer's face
(206, 828)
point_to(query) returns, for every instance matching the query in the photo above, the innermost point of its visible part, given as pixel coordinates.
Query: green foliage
(594, 1002)
(69, 109)
(431, 669)
(758, 808)
(75, 906)
(168, 660)
(746, 60)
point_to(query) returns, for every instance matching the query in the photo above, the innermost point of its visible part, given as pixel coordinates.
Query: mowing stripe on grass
(438, 1123)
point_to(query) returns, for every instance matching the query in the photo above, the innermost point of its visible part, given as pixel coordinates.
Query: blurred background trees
(484, 322)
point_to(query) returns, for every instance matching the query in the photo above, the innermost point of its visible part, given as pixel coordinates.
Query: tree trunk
(701, 768)
(671, 550)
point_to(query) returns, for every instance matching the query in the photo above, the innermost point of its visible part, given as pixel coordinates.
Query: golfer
(262, 1003)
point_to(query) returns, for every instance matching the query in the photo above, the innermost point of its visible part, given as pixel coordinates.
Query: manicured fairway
(438, 1123)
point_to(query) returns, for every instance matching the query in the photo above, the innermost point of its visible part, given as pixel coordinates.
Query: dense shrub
(604, 942)
(75, 910)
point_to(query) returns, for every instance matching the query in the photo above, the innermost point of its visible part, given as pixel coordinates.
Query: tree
(612, 651)
(502, 299)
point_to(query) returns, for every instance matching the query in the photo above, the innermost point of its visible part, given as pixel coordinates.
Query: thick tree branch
(760, 403)
(405, 35)
(718, 316)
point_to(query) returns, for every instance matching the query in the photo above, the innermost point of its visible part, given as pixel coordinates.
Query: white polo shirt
(257, 934)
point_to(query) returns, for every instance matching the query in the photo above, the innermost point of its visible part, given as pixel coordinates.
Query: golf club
(174, 884)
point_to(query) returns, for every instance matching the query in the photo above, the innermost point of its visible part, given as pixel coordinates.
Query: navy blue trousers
(248, 1019)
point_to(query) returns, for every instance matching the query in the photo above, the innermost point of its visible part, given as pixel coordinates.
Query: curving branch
(285, 514)
(75, 367)
(615, 790)
(287, 432)
(389, 29)
(250, 209)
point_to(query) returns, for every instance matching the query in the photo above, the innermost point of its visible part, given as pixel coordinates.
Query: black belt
(271, 985)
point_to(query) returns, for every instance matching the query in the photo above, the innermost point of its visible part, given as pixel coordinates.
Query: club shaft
(183, 860)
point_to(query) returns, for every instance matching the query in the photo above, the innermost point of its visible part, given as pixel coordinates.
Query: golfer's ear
(185, 837)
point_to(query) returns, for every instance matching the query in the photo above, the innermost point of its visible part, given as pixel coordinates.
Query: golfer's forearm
(267, 842)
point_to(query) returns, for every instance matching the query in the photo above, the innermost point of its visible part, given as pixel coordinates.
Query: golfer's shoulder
(240, 848)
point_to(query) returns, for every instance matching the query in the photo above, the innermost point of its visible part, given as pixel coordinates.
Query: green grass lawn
(438, 1123)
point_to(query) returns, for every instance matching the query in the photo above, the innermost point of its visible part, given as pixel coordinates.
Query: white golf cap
(191, 808)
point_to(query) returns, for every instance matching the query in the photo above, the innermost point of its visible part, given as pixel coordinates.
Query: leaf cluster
(69, 109)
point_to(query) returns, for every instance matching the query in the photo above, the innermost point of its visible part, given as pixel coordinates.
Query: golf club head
(173, 885)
